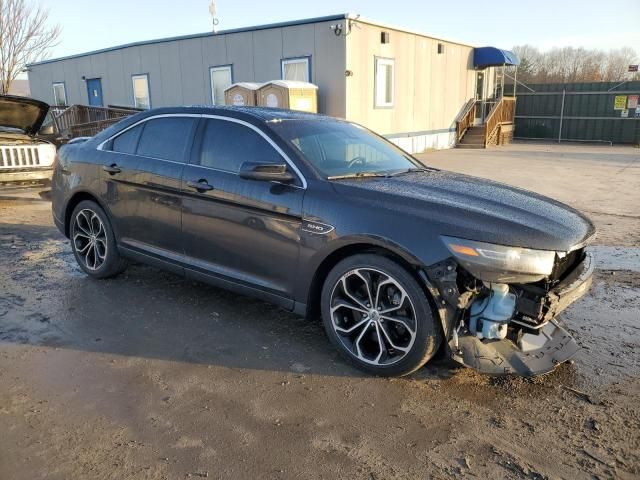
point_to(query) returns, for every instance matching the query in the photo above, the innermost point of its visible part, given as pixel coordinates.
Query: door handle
(111, 169)
(201, 185)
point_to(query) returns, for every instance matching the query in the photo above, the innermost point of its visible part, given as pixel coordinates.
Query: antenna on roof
(212, 11)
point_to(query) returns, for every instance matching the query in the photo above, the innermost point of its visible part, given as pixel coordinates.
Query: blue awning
(492, 57)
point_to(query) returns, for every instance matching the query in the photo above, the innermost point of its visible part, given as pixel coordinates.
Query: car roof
(253, 115)
(264, 114)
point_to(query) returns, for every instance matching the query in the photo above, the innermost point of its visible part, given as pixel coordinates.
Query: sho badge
(316, 227)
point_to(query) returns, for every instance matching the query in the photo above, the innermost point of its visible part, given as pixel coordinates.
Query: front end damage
(500, 327)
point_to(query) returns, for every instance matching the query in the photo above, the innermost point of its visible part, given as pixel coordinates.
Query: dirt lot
(148, 376)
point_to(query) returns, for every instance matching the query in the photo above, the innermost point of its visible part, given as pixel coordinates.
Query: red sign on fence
(633, 68)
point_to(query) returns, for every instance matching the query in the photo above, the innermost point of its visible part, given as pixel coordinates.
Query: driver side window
(226, 145)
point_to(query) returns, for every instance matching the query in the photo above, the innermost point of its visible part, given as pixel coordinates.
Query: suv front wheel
(378, 317)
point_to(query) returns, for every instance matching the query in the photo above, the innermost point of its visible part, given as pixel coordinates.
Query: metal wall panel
(191, 82)
(115, 90)
(328, 65)
(170, 75)
(269, 45)
(430, 88)
(179, 69)
(150, 64)
(240, 53)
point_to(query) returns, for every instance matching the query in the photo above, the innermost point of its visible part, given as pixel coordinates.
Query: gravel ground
(149, 376)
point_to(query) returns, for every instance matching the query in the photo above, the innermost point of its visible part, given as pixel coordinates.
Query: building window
(384, 82)
(59, 94)
(141, 97)
(297, 69)
(221, 79)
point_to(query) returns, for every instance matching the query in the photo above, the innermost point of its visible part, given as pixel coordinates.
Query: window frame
(188, 147)
(218, 68)
(196, 156)
(304, 58)
(384, 61)
(107, 145)
(133, 88)
(64, 90)
(197, 137)
(113, 139)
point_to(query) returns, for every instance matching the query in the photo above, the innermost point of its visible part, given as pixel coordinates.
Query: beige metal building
(405, 85)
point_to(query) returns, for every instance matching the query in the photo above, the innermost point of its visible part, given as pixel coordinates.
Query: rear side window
(127, 141)
(226, 145)
(166, 138)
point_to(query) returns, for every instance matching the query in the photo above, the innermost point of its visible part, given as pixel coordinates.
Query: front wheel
(93, 241)
(378, 317)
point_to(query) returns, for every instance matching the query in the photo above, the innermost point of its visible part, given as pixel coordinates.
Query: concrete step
(473, 139)
(470, 145)
(474, 135)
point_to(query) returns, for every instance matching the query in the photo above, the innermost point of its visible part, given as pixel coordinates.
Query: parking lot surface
(149, 376)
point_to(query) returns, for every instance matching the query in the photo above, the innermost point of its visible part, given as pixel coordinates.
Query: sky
(90, 25)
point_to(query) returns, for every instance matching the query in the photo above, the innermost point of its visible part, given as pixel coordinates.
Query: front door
(94, 92)
(246, 231)
(142, 171)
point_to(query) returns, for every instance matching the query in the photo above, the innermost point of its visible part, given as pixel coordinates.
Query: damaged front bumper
(535, 343)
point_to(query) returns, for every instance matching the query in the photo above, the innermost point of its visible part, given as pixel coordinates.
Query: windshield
(343, 150)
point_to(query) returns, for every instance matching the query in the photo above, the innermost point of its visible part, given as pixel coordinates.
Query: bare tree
(24, 38)
(569, 64)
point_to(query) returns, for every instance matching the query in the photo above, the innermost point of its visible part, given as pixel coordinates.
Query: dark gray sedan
(323, 217)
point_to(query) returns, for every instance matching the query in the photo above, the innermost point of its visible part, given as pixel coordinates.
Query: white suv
(23, 156)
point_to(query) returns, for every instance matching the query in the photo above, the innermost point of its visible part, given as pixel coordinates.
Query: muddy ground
(148, 376)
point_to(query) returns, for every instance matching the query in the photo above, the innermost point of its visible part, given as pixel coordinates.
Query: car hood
(476, 209)
(25, 114)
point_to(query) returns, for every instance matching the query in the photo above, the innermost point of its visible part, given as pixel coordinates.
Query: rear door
(142, 172)
(243, 230)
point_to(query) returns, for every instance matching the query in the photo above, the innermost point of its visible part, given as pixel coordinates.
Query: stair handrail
(465, 119)
(502, 112)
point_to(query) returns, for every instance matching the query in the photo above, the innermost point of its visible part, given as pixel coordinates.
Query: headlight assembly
(500, 263)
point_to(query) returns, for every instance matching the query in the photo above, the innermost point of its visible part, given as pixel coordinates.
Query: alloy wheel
(372, 316)
(90, 239)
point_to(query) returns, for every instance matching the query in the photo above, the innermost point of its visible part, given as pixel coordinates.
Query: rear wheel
(378, 317)
(93, 241)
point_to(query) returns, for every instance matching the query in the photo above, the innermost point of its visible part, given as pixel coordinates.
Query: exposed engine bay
(510, 328)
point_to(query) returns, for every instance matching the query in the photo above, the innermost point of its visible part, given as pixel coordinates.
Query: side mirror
(266, 172)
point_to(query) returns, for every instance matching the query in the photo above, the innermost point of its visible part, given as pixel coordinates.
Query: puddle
(617, 258)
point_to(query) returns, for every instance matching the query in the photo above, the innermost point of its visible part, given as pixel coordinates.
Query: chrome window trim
(293, 166)
(267, 138)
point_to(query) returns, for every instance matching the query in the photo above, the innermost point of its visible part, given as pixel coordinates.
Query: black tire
(81, 230)
(427, 330)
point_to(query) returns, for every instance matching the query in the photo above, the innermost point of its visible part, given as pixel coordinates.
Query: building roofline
(305, 21)
(375, 23)
(267, 26)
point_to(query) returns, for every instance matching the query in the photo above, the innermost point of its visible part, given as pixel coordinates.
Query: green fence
(600, 112)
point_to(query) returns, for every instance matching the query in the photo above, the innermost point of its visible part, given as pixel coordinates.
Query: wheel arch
(73, 201)
(393, 252)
